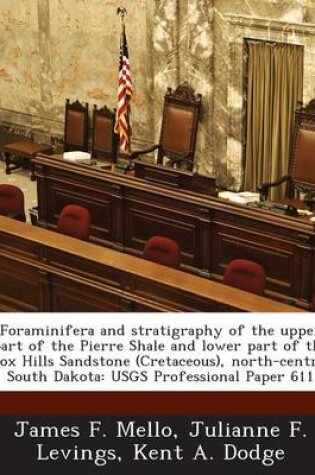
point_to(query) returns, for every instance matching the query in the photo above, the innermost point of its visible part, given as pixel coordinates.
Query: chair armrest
(136, 154)
(263, 188)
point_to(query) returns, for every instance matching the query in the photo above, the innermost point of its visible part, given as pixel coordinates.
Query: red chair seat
(162, 250)
(12, 202)
(75, 220)
(246, 275)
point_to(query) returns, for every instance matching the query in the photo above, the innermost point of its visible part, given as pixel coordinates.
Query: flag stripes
(125, 91)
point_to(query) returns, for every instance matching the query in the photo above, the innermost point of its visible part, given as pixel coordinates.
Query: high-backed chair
(162, 250)
(75, 220)
(104, 139)
(12, 202)
(246, 275)
(301, 177)
(179, 128)
(76, 127)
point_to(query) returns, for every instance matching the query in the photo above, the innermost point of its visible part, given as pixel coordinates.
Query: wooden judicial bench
(41, 270)
(127, 210)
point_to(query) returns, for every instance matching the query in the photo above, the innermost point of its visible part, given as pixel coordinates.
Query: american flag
(125, 90)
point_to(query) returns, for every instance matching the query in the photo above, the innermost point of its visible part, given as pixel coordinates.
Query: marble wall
(51, 50)
(54, 49)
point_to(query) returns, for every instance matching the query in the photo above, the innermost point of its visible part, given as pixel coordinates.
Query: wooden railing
(41, 270)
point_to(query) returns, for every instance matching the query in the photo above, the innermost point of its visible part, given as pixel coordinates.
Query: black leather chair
(179, 128)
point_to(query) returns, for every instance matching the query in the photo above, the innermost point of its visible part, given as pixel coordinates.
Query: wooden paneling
(64, 274)
(278, 261)
(69, 295)
(185, 301)
(144, 220)
(102, 273)
(126, 211)
(279, 253)
(19, 285)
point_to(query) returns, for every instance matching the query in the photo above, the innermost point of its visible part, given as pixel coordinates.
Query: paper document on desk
(242, 197)
(77, 156)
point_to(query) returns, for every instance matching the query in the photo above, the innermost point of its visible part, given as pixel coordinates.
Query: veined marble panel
(183, 51)
(55, 49)
(165, 56)
(20, 63)
(84, 49)
(196, 67)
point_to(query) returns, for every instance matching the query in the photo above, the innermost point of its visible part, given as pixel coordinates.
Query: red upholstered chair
(75, 220)
(178, 134)
(12, 202)
(76, 128)
(162, 250)
(246, 275)
(104, 139)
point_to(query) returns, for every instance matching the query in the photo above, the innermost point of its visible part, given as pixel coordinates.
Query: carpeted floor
(21, 178)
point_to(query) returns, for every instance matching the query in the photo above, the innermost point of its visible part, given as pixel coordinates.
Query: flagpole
(123, 19)
(125, 88)
(122, 12)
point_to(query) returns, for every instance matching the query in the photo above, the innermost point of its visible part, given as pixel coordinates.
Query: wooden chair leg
(7, 156)
(8, 162)
(33, 175)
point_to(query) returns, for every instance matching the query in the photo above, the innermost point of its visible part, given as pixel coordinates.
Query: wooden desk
(173, 178)
(41, 270)
(126, 211)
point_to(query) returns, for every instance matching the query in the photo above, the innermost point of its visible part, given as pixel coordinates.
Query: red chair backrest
(162, 250)
(246, 275)
(76, 127)
(75, 220)
(12, 202)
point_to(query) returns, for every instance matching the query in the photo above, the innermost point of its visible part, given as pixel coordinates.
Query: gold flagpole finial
(122, 12)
